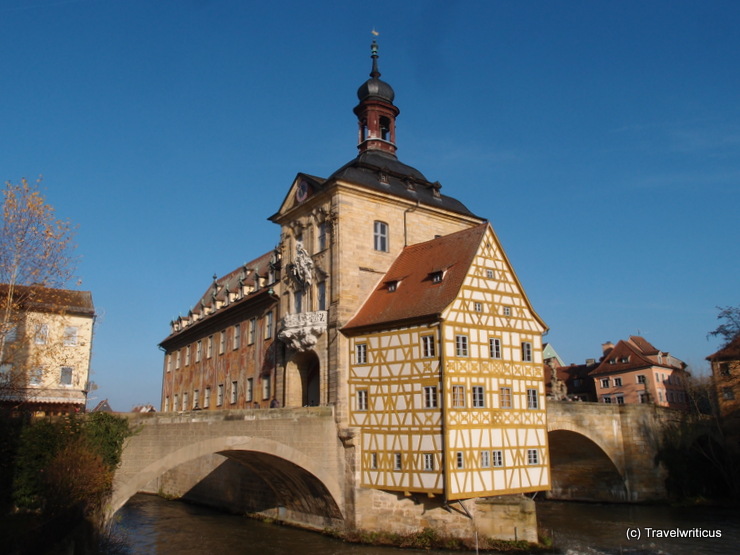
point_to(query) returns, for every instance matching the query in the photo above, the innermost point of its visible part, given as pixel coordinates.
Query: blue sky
(601, 139)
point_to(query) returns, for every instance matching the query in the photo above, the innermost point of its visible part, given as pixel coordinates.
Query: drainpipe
(405, 234)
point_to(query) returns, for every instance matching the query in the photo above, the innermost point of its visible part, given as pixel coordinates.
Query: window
(252, 330)
(437, 276)
(526, 351)
(321, 295)
(533, 456)
(362, 399)
(5, 373)
(485, 459)
(494, 346)
(268, 325)
(361, 353)
(220, 395)
(237, 339)
(459, 460)
(177, 360)
(166, 407)
(198, 351)
(209, 347)
(380, 236)
(479, 398)
(498, 458)
(619, 399)
(175, 401)
(397, 461)
(728, 394)
(298, 301)
(478, 307)
(11, 335)
(461, 345)
(428, 462)
(70, 336)
(65, 375)
(617, 382)
(196, 397)
(373, 461)
(392, 286)
(266, 387)
(42, 334)
(430, 397)
(458, 396)
(489, 274)
(642, 397)
(607, 399)
(234, 390)
(187, 355)
(532, 401)
(641, 379)
(207, 398)
(222, 342)
(427, 346)
(505, 397)
(322, 236)
(604, 383)
(185, 401)
(249, 394)
(507, 311)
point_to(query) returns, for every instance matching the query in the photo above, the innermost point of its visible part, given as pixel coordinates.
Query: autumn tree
(35, 258)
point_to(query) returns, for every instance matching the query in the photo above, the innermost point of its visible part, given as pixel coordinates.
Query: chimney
(590, 361)
(607, 347)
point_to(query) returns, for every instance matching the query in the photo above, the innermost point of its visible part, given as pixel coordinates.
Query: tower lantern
(376, 113)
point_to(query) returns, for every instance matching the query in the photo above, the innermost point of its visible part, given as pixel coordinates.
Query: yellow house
(445, 374)
(46, 348)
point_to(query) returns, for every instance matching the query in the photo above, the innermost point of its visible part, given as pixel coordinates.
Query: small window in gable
(392, 286)
(437, 276)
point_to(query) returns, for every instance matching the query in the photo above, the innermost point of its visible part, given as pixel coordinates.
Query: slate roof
(416, 295)
(400, 179)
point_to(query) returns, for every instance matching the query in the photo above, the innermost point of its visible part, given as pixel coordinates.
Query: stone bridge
(292, 464)
(601, 452)
(289, 459)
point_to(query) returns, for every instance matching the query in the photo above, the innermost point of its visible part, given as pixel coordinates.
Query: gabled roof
(731, 351)
(633, 354)
(416, 295)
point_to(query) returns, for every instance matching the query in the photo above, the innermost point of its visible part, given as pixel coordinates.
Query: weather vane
(374, 32)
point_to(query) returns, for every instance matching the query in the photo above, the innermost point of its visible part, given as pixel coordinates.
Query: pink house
(633, 372)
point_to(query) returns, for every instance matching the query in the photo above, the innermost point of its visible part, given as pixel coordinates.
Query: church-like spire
(376, 113)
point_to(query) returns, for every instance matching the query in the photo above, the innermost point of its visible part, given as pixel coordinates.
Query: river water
(150, 525)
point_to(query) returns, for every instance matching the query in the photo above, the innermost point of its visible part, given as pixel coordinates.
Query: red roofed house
(633, 371)
(726, 377)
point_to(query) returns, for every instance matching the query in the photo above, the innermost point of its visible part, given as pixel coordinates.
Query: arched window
(380, 236)
(385, 129)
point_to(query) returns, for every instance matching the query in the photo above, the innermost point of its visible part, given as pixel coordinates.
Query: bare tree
(729, 329)
(35, 258)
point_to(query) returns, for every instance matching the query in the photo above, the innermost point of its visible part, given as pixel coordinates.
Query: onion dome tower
(376, 113)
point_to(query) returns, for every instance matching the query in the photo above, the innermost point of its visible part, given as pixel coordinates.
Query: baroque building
(46, 347)
(394, 304)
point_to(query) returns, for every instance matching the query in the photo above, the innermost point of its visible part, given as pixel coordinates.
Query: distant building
(102, 406)
(633, 371)
(726, 377)
(579, 385)
(46, 350)
(144, 408)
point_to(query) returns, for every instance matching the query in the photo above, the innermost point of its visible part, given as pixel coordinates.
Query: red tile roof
(417, 296)
(633, 354)
(46, 299)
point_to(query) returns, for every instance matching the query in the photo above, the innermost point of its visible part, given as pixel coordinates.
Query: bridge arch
(299, 481)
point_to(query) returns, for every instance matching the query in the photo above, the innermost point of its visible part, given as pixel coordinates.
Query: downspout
(405, 229)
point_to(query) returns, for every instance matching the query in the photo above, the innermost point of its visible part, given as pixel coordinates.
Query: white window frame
(431, 400)
(533, 456)
(485, 459)
(361, 353)
(498, 458)
(220, 395)
(479, 397)
(68, 371)
(532, 399)
(70, 336)
(526, 351)
(380, 236)
(362, 400)
(505, 399)
(461, 345)
(428, 462)
(458, 396)
(428, 347)
(234, 394)
(494, 347)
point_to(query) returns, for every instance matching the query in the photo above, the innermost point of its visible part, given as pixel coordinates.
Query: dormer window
(437, 276)
(392, 286)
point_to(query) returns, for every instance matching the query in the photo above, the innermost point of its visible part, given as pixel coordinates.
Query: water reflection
(150, 525)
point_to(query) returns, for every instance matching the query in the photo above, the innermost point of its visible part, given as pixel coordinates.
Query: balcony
(301, 330)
